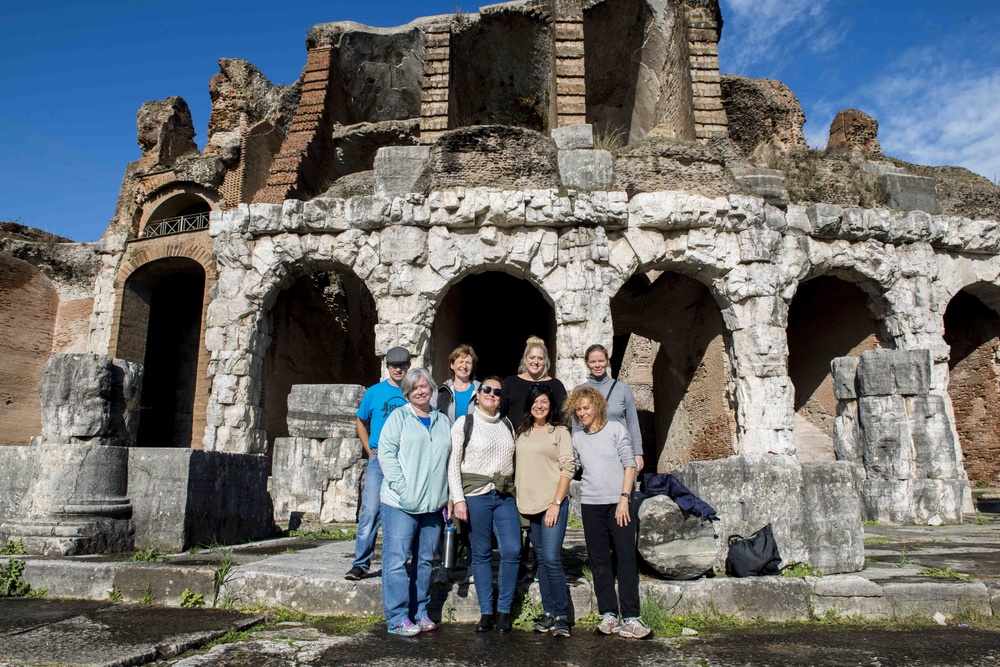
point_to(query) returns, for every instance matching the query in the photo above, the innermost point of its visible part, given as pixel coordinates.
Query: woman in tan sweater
(543, 469)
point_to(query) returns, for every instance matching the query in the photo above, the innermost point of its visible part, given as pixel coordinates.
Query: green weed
(150, 555)
(878, 540)
(800, 570)
(944, 573)
(223, 572)
(191, 600)
(12, 583)
(575, 522)
(524, 612)
(332, 534)
(869, 522)
(12, 548)
(115, 595)
(147, 595)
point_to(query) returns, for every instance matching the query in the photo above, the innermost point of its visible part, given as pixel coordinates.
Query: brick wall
(28, 308)
(72, 328)
(971, 329)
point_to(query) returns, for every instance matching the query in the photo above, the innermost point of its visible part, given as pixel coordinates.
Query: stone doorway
(322, 331)
(670, 346)
(971, 329)
(495, 313)
(829, 317)
(161, 326)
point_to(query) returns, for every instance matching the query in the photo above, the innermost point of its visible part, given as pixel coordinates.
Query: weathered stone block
(886, 501)
(847, 433)
(677, 544)
(885, 437)
(585, 169)
(844, 370)
(185, 497)
(18, 467)
(831, 516)
(933, 437)
(886, 372)
(759, 245)
(399, 169)
(323, 410)
(90, 398)
(910, 192)
(766, 183)
(573, 137)
(317, 478)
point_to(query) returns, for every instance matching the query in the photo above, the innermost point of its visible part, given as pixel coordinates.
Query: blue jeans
(406, 594)
(371, 516)
(548, 550)
(494, 514)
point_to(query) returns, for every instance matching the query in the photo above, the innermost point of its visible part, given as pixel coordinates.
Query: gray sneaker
(609, 624)
(634, 628)
(543, 624)
(560, 627)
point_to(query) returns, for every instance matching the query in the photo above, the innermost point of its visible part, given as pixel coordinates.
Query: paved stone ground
(94, 632)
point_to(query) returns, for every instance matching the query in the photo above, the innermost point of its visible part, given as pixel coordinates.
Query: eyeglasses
(403, 366)
(496, 391)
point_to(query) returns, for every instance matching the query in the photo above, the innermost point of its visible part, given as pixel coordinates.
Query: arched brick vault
(158, 203)
(196, 246)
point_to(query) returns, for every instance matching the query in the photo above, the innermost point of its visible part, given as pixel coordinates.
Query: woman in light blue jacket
(414, 447)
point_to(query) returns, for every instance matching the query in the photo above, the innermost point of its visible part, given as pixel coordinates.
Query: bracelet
(625, 495)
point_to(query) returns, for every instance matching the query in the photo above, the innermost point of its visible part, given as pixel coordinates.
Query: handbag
(753, 556)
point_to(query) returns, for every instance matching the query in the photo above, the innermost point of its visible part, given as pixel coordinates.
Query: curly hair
(597, 402)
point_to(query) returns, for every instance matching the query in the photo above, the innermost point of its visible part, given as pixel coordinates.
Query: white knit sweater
(490, 452)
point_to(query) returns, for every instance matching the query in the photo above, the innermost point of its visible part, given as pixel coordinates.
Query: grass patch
(344, 626)
(878, 540)
(575, 522)
(223, 573)
(191, 600)
(147, 595)
(12, 548)
(234, 636)
(332, 534)
(800, 570)
(979, 520)
(115, 595)
(150, 555)
(610, 139)
(869, 522)
(944, 573)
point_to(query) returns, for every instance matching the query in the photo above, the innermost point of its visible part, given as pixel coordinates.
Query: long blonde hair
(531, 344)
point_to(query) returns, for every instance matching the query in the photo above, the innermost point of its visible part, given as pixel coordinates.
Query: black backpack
(753, 556)
(467, 430)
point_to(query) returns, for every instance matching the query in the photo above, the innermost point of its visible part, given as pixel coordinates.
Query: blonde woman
(543, 469)
(603, 451)
(533, 371)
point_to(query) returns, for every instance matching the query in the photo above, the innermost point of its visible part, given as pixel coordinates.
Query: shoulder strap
(608, 397)
(510, 426)
(467, 433)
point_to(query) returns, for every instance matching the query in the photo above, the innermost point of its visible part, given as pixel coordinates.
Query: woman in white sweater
(481, 481)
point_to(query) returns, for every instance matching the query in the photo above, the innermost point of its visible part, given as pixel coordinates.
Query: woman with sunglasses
(481, 480)
(542, 473)
(534, 370)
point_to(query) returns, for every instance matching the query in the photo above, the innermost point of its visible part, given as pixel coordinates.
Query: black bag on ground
(753, 556)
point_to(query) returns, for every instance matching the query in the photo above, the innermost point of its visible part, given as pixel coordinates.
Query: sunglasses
(496, 391)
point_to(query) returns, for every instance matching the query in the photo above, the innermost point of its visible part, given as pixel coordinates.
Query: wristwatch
(625, 495)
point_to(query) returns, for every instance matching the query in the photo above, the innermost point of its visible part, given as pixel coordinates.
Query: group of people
(494, 454)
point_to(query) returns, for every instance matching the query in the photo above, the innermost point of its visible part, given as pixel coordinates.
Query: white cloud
(766, 32)
(936, 111)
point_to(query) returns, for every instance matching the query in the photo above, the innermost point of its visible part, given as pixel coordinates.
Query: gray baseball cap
(397, 355)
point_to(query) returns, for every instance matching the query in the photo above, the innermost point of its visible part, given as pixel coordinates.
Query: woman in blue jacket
(414, 449)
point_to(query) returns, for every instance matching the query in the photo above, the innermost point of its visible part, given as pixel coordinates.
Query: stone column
(890, 422)
(78, 501)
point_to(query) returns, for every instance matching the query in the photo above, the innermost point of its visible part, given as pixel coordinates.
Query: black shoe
(544, 623)
(560, 627)
(485, 623)
(503, 622)
(355, 573)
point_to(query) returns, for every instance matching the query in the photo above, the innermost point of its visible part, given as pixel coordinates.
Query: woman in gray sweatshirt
(603, 451)
(621, 402)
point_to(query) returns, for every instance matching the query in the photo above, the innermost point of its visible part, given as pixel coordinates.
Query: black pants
(602, 533)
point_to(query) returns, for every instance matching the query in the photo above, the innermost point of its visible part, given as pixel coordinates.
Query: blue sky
(74, 74)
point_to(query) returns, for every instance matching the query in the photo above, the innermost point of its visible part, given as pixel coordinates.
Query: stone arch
(494, 309)
(28, 307)
(832, 314)
(317, 326)
(495, 78)
(972, 332)
(175, 200)
(160, 324)
(672, 346)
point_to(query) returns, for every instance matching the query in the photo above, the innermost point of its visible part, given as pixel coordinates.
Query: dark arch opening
(670, 346)
(971, 329)
(829, 317)
(495, 313)
(322, 330)
(160, 325)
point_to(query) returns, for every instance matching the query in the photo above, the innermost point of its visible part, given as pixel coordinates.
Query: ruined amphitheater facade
(826, 321)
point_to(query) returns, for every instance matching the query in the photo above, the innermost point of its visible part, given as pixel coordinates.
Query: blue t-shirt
(462, 399)
(426, 421)
(376, 406)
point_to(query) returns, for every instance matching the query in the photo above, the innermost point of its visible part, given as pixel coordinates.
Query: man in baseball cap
(377, 404)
